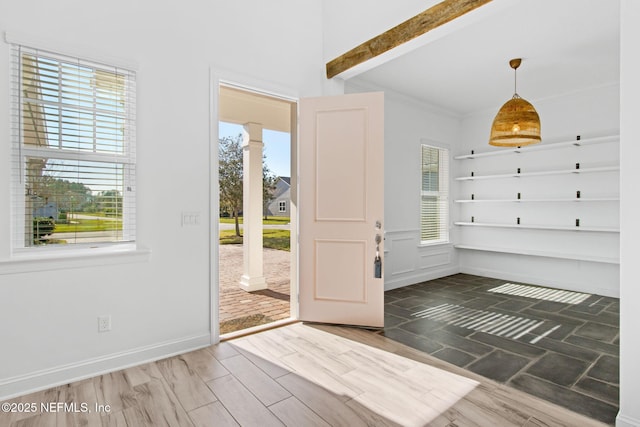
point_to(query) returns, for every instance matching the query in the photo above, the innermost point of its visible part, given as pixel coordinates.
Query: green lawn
(80, 225)
(274, 239)
(274, 220)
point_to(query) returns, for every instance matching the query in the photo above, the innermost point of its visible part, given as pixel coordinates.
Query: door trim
(222, 76)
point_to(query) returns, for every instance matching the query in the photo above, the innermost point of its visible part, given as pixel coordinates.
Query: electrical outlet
(104, 323)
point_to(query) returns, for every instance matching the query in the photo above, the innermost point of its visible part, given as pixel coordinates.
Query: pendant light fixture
(517, 123)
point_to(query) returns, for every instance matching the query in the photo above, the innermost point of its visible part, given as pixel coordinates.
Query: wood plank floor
(298, 375)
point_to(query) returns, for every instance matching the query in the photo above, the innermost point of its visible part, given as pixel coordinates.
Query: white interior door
(341, 206)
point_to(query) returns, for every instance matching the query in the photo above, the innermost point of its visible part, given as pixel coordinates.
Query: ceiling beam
(432, 18)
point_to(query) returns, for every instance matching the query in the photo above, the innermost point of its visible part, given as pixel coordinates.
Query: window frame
(20, 152)
(444, 178)
(282, 206)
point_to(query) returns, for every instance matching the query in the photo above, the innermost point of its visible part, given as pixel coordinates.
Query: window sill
(33, 261)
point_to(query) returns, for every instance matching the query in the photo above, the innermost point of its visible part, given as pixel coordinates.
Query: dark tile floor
(558, 345)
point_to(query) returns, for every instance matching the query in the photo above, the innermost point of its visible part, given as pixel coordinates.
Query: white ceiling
(243, 106)
(566, 46)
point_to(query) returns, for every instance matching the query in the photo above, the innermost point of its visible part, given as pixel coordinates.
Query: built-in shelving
(539, 147)
(526, 205)
(519, 251)
(592, 199)
(540, 227)
(540, 173)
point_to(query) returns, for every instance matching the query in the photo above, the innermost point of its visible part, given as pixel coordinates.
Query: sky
(277, 147)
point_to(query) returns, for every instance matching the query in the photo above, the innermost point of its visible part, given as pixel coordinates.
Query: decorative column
(253, 276)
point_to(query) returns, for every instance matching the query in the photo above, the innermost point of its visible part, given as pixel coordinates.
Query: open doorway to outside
(257, 244)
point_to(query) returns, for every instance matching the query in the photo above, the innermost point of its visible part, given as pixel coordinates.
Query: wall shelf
(551, 146)
(540, 173)
(578, 257)
(574, 183)
(540, 227)
(593, 199)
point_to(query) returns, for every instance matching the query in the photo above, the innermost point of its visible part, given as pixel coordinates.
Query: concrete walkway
(236, 304)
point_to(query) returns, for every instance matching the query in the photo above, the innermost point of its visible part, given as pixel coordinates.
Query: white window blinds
(434, 203)
(73, 151)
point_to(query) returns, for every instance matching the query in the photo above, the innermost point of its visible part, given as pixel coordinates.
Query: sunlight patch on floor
(393, 387)
(493, 323)
(537, 292)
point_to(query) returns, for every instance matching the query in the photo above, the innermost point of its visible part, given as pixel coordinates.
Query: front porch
(240, 309)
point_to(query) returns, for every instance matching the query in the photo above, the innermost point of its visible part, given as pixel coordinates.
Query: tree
(42, 227)
(109, 202)
(268, 187)
(68, 195)
(231, 174)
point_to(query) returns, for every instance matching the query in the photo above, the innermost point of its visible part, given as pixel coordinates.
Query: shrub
(42, 226)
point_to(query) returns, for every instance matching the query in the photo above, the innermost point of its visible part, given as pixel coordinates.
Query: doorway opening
(258, 224)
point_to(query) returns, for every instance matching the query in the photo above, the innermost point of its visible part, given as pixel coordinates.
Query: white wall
(589, 113)
(407, 125)
(159, 304)
(629, 414)
(593, 112)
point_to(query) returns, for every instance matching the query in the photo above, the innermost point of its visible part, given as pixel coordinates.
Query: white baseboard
(412, 279)
(527, 278)
(624, 421)
(60, 375)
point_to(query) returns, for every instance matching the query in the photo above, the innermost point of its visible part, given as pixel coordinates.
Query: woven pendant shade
(517, 122)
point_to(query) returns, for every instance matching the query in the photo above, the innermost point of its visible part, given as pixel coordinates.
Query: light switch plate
(190, 219)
